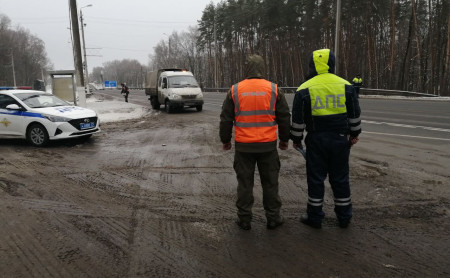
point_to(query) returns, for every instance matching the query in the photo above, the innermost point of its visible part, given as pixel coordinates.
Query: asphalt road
(416, 120)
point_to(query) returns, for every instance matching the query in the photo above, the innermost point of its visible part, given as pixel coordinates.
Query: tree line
(128, 71)
(393, 44)
(22, 55)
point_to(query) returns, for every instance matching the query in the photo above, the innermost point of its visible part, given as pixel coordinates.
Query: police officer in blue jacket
(328, 108)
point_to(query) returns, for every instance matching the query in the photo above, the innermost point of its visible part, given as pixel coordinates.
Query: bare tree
(123, 71)
(26, 51)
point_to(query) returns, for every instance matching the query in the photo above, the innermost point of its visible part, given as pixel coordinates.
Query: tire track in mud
(169, 203)
(66, 216)
(187, 191)
(35, 249)
(173, 249)
(178, 239)
(98, 231)
(53, 206)
(32, 258)
(150, 257)
(134, 223)
(422, 260)
(399, 225)
(90, 246)
(348, 252)
(9, 187)
(116, 234)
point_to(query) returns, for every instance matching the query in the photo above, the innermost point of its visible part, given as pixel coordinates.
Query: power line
(101, 20)
(115, 20)
(40, 22)
(124, 49)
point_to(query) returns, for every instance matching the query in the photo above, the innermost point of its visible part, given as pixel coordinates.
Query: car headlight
(200, 95)
(53, 118)
(176, 96)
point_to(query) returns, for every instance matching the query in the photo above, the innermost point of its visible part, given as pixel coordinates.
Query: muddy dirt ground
(155, 197)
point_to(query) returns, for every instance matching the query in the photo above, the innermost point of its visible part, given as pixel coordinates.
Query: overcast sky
(115, 29)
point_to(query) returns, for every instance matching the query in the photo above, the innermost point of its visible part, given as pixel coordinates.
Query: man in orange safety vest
(257, 109)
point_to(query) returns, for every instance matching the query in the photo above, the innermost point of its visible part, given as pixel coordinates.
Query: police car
(39, 117)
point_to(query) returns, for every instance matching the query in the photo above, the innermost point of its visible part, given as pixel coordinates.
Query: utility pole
(103, 81)
(12, 63)
(84, 51)
(168, 53)
(76, 43)
(43, 80)
(215, 54)
(338, 32)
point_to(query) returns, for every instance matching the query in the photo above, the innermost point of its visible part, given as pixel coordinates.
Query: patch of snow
(114, 110)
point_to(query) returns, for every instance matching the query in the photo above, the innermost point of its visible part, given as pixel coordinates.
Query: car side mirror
(13, 107)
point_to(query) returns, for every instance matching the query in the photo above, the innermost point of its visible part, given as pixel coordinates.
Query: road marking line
(403, 135)
(407, 126)
(214, 104)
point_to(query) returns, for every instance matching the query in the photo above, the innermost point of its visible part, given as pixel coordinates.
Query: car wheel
(37, 135)
(199, 108)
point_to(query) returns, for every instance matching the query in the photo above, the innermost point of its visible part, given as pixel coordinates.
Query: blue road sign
(110, 84)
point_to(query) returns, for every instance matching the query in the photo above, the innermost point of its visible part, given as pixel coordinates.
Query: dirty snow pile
(114, 110)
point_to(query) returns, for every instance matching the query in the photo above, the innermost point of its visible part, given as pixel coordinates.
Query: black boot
(244, 225)
(343, 223)
(307, 221)
(273, 224)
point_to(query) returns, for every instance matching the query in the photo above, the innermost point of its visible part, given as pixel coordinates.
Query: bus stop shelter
(64, 86)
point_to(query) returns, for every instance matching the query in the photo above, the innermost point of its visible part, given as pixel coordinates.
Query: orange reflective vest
(254, 111)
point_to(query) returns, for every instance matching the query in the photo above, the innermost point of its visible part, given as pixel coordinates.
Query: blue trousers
(327, 153)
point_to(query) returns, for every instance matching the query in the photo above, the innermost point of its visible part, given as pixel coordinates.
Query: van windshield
(182, 82)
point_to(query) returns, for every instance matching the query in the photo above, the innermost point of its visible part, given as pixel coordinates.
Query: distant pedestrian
(357, 83)
(257, 109)
(125, 91)
(328, 108)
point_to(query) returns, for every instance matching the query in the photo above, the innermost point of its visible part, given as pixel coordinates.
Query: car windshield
(182, 82)
(40, 100)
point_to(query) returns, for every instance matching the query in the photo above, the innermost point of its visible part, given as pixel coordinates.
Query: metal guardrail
(362, 91)
(286, 89)
(223, 90)
(384, 92)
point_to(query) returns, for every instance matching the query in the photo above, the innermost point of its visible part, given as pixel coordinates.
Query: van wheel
(168, 107)
(155, 103)
(37, 135)
(199, 108)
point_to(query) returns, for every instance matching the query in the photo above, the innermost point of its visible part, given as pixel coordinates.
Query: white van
(175, 88)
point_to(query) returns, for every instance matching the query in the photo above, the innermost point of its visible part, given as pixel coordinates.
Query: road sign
(110, 84)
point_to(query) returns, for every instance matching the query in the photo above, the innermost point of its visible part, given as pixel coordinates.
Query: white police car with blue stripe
(39, 117)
